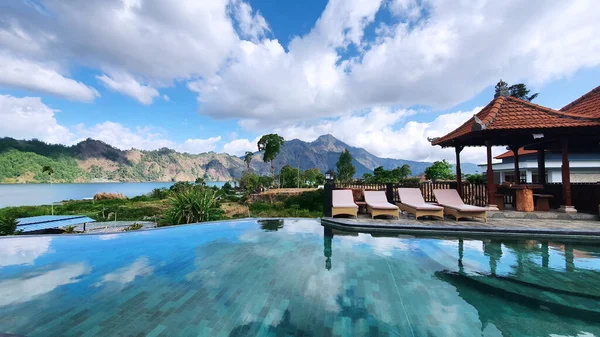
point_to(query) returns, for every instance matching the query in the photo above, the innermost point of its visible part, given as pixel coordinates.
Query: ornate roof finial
(501, 89)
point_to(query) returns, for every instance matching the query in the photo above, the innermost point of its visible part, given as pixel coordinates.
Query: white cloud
(239, 147)
(439, 60)
(253, 26)
(166, 98)
(127, 85)
(143, 138)
(28, 117)
(379, 132)
(127, 274)
(23, 250)
(42, 77)
(19, 290)
(199, 145)
(155, 40)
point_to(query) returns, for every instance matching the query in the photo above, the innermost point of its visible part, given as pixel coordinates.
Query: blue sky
(214, 75)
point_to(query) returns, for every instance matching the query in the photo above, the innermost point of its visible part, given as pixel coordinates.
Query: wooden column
(566, 173)
(517, 172)
(491, 186)
(541, 157)
(458, 172)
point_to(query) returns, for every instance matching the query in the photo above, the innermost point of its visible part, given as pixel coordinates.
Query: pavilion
(515, 123)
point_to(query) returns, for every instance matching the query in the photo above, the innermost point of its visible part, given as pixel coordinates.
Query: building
(573, 131)
(585, 167)
(50, 224)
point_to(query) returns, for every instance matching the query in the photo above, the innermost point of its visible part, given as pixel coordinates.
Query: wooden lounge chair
(412, 201)
(343, 203)
(453, 205)
(377, 204)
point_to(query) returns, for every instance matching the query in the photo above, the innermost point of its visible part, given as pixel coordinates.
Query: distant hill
(323, 153)
(22, 161)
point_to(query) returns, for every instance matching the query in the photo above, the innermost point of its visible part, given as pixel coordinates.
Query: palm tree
(50, 171)
(248, 158)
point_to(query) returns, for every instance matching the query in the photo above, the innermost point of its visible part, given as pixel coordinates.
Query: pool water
(294, 278)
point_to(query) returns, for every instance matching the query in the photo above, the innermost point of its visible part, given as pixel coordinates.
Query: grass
(308, 204)
(100, 210)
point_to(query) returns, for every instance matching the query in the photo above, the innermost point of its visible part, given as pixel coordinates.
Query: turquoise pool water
(294, 278)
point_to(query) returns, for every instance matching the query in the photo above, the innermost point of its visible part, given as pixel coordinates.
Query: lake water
(45, 194)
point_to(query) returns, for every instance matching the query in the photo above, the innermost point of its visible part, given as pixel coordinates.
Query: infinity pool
(294, 278)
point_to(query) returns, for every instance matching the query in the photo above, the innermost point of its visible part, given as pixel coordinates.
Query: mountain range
(22, 161)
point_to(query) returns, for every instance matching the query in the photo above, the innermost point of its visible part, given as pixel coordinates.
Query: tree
(248, 158)
(289, 176)
(520, 91)
(345, 169)
(440, 170)
(48, 169)
(476, 178)
(271, 145)
(8, 225)
(313, 177)
(383, 176)
(200, 182)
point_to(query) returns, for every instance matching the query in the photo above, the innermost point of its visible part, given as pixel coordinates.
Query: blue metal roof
(36, 223)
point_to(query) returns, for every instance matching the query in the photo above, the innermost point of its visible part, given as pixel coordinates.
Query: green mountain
(21, 161)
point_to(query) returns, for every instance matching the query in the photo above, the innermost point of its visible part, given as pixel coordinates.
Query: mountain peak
(328, 138)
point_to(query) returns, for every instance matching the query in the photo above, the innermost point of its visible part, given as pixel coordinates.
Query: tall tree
(50, 171)
(271, 145)
(520, 91)
(440, 170)
(345, 169)
(248, 158)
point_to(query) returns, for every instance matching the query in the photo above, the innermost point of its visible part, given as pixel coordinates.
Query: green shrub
(133, 227)
(69, 229)
(194, 205)
(159, 193)
(8, 226)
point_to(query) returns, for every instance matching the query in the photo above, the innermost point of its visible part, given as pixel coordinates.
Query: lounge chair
(453, 205)
(343, 203)
(412, 201)
(377, 204)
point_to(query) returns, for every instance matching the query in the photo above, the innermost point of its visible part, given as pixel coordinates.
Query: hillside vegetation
(22, 161)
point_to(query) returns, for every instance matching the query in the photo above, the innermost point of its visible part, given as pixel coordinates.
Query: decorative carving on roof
(501, 89)
(479, 124)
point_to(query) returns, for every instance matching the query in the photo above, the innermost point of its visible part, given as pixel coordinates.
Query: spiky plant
(192, 205)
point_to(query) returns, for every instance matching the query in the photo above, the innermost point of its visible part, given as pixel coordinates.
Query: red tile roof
(510, 154)
(510, 113)
(587, 105)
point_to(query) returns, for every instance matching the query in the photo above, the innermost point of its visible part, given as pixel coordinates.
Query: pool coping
(472, 231)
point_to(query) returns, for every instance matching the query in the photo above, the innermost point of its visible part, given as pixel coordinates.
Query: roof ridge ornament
(479, 122)
(501, 89)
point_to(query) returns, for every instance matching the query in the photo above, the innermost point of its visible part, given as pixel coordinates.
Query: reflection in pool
(294, 277)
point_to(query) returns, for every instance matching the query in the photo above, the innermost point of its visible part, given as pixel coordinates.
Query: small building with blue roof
(50, 224)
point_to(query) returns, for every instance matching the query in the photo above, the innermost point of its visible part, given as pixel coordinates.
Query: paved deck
(501, 226)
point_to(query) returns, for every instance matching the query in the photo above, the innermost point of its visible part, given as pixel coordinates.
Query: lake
(45, 194)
